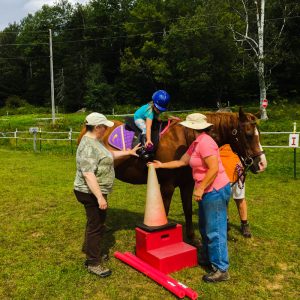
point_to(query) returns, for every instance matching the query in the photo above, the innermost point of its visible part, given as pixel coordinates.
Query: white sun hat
(95, 119)
(196, 121)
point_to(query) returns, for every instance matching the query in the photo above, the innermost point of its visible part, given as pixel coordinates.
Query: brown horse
(237, 129)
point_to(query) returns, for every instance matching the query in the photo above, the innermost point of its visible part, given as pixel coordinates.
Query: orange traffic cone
(155, 214)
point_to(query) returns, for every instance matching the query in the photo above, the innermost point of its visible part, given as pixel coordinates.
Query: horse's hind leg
(167, 191)
(186, 192)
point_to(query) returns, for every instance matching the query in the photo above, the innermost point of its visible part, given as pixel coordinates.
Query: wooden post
(71, 142)
(295, 155)
(40, 131)
(16, 137)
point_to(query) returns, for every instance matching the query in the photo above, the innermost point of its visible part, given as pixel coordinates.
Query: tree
(12, 65)
(99, 94)
(251, 17)
(201, 56)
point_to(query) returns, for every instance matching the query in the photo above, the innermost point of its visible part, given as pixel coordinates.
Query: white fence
(38, 136)
(70, 136)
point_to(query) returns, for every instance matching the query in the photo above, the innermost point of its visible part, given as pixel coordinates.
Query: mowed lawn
(42, 225)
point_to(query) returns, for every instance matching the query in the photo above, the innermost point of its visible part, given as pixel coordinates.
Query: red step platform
(165, 250)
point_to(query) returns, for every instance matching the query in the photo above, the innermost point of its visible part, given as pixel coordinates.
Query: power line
(134, 35)
(23, 57)
(60, 27)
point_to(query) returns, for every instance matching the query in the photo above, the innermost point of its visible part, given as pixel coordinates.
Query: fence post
(34, 141)
(40, 131)
(295, 149)
(70, 138)
(16, 137)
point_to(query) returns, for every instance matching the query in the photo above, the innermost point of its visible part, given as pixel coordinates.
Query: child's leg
(141, 124)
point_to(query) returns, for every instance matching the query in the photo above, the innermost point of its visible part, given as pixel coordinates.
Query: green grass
(42, 225)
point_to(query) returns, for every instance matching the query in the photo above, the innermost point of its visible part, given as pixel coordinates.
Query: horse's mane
(224, 122)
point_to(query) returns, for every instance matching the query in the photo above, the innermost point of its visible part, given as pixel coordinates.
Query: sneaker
(99, 270)
(216, 276)
(245, 230)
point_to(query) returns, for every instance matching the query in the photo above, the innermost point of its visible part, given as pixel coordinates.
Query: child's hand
(156, 164)
(148, 143)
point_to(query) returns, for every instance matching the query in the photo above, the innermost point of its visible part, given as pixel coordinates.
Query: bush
(15, 102)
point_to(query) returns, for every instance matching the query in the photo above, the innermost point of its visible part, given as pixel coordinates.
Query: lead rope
(241, 175)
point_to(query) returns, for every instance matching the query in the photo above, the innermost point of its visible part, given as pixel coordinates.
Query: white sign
(294, 140)
(33, 129)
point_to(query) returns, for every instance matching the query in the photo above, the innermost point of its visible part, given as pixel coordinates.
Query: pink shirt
(201, 148)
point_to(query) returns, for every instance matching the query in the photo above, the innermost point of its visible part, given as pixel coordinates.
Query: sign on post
(34, 131)
(264, 103)
(294, 140)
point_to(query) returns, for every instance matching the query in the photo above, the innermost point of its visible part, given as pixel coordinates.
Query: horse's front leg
(167, 190)
(186, 192)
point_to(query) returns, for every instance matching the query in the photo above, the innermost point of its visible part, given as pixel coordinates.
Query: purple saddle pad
(121, 138)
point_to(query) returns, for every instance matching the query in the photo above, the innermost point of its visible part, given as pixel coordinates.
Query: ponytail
(83, 131)
(81, 134)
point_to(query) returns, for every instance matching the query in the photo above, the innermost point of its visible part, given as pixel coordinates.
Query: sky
(14, 10)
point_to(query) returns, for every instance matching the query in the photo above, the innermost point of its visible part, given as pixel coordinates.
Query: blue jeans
(213, 226)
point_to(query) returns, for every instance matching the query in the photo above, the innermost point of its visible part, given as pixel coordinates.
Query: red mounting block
(165, 250)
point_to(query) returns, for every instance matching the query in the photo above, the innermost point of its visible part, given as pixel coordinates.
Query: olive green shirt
(92, 156)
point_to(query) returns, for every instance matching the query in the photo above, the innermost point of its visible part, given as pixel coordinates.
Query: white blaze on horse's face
(263, 161)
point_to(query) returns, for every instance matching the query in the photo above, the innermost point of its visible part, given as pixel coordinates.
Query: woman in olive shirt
(94, 180)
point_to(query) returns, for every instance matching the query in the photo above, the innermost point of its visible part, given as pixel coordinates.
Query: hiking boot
(216, 276)
(99, 270)
(245, 230)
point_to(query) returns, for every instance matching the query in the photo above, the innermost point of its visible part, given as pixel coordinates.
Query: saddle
(127, 135)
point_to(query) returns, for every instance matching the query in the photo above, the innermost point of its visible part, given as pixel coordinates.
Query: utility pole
(51, 77)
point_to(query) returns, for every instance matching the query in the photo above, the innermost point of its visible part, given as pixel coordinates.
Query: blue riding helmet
(161, 99)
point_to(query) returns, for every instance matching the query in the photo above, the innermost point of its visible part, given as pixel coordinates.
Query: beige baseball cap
(196, 121)
(95, 119)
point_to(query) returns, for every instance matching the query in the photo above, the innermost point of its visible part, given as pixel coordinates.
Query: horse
(237, 129)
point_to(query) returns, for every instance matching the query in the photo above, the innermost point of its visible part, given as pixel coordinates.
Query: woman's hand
(155, 163)
(148, 144)
(198, 193)
(102, 203)
(133, 150)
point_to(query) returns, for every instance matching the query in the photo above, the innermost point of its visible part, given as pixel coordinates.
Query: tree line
(111, 52)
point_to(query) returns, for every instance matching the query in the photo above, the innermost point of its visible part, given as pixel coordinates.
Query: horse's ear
(242, 115)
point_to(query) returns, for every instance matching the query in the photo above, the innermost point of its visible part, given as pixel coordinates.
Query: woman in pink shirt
(212, 192)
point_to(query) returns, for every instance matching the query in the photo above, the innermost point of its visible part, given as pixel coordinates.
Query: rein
(242, 173)
(249, 159)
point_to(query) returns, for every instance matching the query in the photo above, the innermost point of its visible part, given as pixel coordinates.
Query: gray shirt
(92, 156)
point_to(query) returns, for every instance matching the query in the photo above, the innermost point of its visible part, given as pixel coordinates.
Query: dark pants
(94, 227)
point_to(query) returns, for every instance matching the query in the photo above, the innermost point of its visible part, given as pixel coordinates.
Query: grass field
(42, 227)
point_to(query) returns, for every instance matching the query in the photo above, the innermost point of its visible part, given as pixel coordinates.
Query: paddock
(42, 224)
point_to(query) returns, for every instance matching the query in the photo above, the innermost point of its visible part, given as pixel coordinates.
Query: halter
(249, 159)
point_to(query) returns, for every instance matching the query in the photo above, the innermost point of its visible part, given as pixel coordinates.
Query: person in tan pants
(231, 163)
